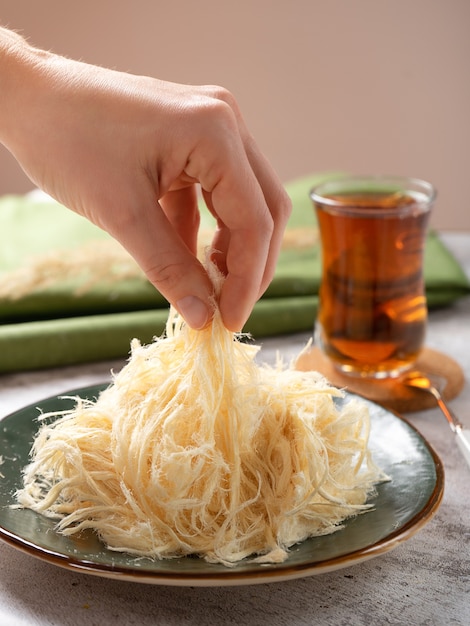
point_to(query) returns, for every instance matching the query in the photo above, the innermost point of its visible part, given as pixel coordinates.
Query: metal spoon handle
(462, 434)
(424, 382)
(449, 414)
(463, 441)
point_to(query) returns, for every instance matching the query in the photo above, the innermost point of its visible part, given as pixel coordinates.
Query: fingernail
(194, 311)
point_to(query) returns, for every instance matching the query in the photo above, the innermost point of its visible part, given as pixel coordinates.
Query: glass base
(370, 372)
(390, 366)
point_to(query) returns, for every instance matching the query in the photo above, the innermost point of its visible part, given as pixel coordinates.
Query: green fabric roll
(73, 340)
(70, 321)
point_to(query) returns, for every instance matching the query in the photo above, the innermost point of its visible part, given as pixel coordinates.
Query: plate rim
(230, 576)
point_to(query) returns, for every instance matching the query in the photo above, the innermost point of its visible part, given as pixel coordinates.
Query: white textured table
(425, 581)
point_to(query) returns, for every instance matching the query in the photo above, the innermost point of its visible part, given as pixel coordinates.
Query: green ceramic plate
(401, 507)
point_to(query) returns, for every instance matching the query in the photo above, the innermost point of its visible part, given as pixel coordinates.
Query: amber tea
(372, 315)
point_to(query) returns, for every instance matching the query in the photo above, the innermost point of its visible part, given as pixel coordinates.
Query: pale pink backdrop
(365, 86)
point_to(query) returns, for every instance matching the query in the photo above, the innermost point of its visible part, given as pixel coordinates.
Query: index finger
(248, 240)
(251, 207)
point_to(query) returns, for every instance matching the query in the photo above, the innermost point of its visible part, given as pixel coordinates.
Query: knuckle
(218, 106)
(267, 224)
(221, 94)
(165, 276)
(285, 205)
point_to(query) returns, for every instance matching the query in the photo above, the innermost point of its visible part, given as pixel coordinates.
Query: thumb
(168, 264)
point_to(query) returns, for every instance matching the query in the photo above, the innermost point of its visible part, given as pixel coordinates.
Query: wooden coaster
(389, 393)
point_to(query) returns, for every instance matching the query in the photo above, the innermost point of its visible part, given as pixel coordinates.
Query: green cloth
(61, 325)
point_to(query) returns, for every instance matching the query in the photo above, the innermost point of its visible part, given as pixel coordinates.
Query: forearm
(10, 42)
(29, 106)
(11, 46)
(20, 75)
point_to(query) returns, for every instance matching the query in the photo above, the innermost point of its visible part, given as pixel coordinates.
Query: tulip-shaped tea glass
(372, 314)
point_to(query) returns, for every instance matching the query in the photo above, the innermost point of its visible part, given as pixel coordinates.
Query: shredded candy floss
(197, 449)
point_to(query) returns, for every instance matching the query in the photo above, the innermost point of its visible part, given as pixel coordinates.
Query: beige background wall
(366, 86)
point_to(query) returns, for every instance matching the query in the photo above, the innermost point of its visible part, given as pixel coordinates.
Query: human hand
(128, 153)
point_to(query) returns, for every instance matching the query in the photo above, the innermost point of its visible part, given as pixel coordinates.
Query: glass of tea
(372, 314)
